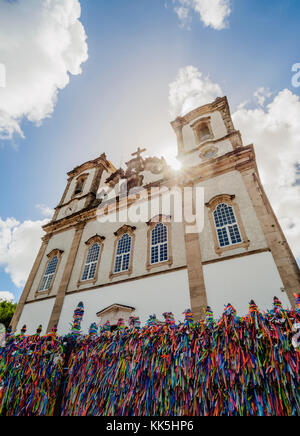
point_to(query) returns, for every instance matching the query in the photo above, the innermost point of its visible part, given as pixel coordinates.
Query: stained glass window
(123, 253)
(159, 244)
(49, 274)
(226, 224)
(91, 263)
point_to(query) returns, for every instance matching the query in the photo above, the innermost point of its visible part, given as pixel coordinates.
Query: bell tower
(82, 187)
(214, 157)
(205, 133)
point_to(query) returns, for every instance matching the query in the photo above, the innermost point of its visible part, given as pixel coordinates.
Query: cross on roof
(139, 152)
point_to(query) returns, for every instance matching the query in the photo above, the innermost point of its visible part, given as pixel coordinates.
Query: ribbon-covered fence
(236, 366)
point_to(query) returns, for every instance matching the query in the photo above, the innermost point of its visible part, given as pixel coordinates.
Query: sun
(171, 159)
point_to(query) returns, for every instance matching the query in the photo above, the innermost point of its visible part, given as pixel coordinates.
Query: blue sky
(120, 101)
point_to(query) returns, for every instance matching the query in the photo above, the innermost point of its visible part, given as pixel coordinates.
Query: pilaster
(56, 312)
(282, 254)
(198, 294)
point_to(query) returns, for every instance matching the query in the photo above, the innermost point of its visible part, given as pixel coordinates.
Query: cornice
(60, 206)
(210, 142)
(240, 159)
(161, 218)
(115, 307)
(102, 160)
(96, 238)
(125, 229)
(218, 105)
(55, 252)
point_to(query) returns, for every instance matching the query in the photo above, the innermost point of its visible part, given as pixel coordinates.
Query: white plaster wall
(76, 205)
(61, 241)
(156, 294)
(36, 314)
(238, 281)
(193, 159)
(233, 184)
(108, 229)
(217, 125)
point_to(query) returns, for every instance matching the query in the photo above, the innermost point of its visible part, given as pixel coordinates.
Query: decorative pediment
(115, 312)
(226, 198)
(54, 253)
(159, 219)
(135, 167)
(101, 160)
(155, 165)
(94, 239)
(125, 229)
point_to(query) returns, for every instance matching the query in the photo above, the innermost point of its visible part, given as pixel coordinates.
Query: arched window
(122, 260)
(51, 268)
(159, 244)
(49, 274)
(91, 263)
(226, 224)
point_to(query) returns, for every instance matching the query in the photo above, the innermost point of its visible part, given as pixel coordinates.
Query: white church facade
(121, 267)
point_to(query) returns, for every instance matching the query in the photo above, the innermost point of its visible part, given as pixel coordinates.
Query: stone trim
(282, 254)
(29, 283)
(234, 160)
(119, 233)
(197, 287)
(234, 138)
(59, 301)
(50, 256)
(100, 286)
(166, 220)
(236, 256)
(92, 164)
(62, 200)
(230, 200)
(73, 199)
(89, 243)
(95, 185)
(220, 104)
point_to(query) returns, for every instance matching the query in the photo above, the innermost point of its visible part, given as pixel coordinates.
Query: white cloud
(275, 131)
(19, 245)
(41, 43)
(261, 95)
(213, 13)
(45, 210)
(6, 296)
(189, 90)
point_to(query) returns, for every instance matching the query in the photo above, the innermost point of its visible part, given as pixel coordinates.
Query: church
(94, 251)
